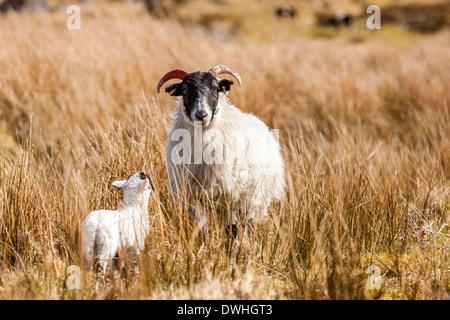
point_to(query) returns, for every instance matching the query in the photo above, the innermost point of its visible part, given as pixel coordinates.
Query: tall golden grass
(365, 135)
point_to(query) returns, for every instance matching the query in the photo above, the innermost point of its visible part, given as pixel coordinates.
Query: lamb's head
(137, 188)
(200, 91)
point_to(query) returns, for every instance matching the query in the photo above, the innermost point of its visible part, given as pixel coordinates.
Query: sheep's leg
(256, 213)
(231, 221)
(197, 212)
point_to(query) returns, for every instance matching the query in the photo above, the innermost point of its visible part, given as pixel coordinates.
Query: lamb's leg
(88, 247)
(116, 266)
(134, 257)
(103, 257)
(101, 266)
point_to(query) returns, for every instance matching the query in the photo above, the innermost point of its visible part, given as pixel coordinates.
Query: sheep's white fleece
(251, 174)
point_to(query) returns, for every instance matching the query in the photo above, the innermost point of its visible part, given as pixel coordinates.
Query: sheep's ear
(119, 184)
(225, 85)
(174, 89)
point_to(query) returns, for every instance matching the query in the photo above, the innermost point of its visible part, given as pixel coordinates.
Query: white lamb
(218, 152)
(106, 233)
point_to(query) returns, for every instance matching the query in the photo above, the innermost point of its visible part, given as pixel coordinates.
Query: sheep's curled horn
(181, 74)
(174, 74)
(220, 68)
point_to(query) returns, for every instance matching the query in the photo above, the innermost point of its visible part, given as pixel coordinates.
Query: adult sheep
(217, 152)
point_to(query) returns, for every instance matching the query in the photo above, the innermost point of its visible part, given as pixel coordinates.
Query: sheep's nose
(201, 114)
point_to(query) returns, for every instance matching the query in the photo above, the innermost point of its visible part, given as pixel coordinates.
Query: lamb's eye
(184, 91)
(215, 89)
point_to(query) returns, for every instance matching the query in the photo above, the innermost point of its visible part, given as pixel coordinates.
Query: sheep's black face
(200, 92)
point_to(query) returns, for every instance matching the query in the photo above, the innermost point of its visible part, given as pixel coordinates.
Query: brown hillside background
(363, 117)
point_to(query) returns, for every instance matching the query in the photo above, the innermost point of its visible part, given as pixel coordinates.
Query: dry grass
(365, 135)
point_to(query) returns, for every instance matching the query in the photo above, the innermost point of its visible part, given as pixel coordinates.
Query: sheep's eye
(215, 89)
(184, 91)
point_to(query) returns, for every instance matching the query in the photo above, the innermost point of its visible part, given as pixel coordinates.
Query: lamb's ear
(174, 89)
(120, 184)
(144, 184)
(225, 85)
